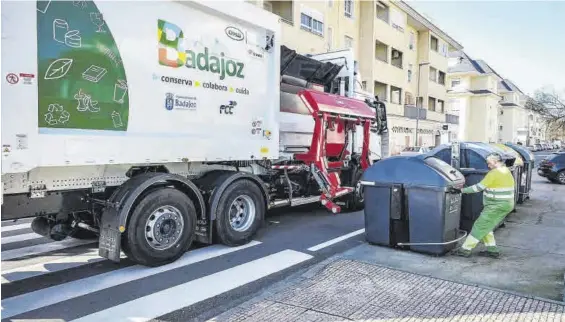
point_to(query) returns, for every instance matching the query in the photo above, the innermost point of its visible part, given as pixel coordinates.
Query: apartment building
(313, 27)
(473, 95)
(490, 107)
(403, 60)
(517, 124)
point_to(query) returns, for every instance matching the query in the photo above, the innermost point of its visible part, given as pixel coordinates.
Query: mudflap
(109, 243)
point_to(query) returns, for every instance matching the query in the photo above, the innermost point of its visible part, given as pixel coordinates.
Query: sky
(523, 41)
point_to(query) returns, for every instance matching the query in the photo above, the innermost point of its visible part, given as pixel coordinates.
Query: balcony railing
(411, 111)
(450, 118)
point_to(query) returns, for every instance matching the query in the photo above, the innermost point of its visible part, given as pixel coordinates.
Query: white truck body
(127, 92)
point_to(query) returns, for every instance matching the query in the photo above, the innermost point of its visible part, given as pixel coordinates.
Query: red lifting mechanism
(335, 116)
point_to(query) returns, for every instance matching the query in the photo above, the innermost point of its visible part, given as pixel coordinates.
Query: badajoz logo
(191, 58)
(173, 101)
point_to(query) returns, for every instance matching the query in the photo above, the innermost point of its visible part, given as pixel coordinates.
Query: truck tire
(161, 227)
(240, 212)
(355, 200)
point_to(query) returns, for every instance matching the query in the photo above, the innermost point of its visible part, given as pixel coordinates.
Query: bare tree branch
(550, 105)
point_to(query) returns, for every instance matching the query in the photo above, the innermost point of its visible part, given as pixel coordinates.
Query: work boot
(490, 252)
(462, 252)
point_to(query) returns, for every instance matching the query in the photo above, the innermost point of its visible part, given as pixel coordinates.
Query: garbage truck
(157, 124)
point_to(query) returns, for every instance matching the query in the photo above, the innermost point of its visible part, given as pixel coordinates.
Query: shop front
(403, 134)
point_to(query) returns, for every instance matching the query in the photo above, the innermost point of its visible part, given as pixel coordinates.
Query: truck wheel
(356, 201)
(160, 228)
(240, 211)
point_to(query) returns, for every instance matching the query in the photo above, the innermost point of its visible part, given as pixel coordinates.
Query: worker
(498, 202)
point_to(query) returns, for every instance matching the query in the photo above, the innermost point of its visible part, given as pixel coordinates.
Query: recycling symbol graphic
(56, 115)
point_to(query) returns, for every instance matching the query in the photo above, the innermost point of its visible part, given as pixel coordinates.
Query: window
(330, 38)
(396, 59)
(501, 112)
(434, 43)
(409, 98)
(348, 6)
(348, 42)
(431, 104)
(305, 21)
(441, 106)
(364, 85)
(310, 24)
(317, 27)
(395, 95)
(433, 74)
(383, 12)
(409, 73)
(500, 127)
(412, 44)
(441, 77)
(444, 49)
(381, 51)
(330, 3)
(455, 82)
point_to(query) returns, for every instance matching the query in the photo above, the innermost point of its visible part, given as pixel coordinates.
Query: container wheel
(161, 227)
(240, 212)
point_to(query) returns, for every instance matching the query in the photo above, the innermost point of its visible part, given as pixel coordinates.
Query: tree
(550, 105)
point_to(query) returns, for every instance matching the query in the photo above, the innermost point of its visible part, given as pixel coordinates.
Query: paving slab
(347, 290)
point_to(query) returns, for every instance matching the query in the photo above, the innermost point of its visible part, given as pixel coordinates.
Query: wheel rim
(561, 177)
(359, 191)
(164, 227)
(242, 213)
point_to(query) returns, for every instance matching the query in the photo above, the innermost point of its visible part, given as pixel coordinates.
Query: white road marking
(335, 240)
(67, 262)
(19, 238)
(151, 306)
(55, 294)
(44, 248)
(15, 227)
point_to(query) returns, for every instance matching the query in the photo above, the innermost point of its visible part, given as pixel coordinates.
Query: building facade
(314, 27)
(473, 96)
(403, 61)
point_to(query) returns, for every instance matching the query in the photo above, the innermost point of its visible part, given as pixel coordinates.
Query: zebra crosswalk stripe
(59, 293)
(19, 238)
(15, 227)
(43, 248)
(177, 297)
(60, 264)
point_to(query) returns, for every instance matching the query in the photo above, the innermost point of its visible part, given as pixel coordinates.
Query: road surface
(68, 281)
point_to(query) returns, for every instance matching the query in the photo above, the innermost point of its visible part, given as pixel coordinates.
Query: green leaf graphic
(58, 68)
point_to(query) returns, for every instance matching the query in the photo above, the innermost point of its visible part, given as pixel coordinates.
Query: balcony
(411, 111)
(452, 119)
(283, 9)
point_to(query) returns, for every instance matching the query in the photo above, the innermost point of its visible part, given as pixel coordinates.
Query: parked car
(553, 167)
(414, 150)
(538, 147)
(531, 148)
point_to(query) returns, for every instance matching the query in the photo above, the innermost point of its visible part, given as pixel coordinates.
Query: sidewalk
(384, 284)
(341, 290)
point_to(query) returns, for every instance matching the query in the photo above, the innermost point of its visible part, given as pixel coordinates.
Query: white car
(414, 150)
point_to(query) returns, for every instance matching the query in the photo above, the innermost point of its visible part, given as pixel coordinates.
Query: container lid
(419, 170)
(526, 154)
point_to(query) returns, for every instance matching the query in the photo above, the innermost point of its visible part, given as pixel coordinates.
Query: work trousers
(493, 214)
